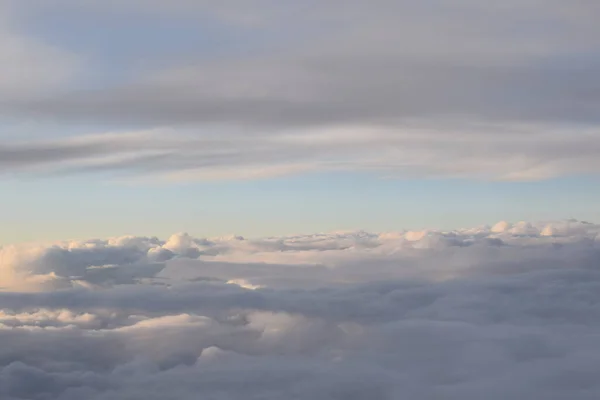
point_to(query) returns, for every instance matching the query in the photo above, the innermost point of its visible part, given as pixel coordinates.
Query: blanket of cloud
(509, 311)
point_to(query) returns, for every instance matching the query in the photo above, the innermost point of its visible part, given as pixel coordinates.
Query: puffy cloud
(500, 227)
(564, 228)
(467, 314)
(95, 262)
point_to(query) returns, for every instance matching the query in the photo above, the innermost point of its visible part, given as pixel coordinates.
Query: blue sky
(268, 118)
(71, 208)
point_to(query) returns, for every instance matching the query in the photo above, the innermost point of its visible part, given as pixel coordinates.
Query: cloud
(374, 86)
(505, 91)
(464, 314)
(163, 155)
(30, 67)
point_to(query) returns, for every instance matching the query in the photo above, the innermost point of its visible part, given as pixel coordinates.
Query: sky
(268, 118)
(313, 200)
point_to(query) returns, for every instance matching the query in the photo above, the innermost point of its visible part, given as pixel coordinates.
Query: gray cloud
(526, 61)
(322, 89)
(510, 76)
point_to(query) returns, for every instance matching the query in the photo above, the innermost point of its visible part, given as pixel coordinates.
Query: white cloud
(466, 314)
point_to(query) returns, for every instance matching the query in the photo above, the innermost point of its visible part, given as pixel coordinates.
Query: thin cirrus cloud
(515, 83)
(165, 154)
(508, 310)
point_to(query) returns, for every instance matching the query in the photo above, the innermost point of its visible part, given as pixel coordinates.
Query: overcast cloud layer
(509, 311)
(512, 85)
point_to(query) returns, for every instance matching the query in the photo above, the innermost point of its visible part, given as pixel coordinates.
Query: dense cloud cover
(509, 311)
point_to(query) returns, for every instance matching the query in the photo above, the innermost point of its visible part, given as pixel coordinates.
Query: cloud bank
(510, 310)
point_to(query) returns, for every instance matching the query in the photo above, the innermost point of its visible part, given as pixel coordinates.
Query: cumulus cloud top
(465, 314)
